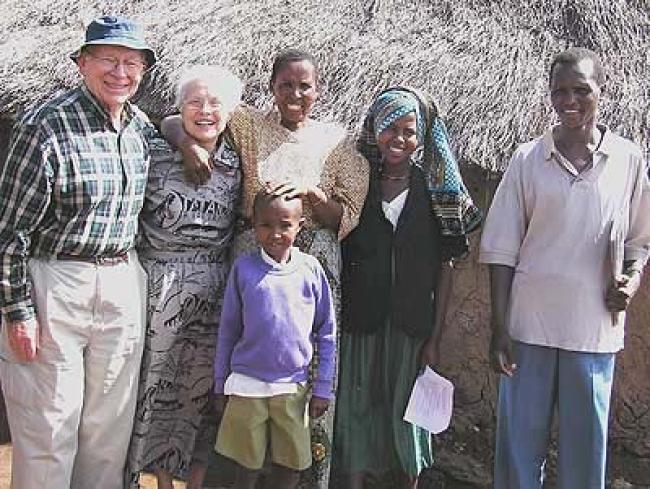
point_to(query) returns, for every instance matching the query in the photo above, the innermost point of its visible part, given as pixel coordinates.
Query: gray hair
(221, 82)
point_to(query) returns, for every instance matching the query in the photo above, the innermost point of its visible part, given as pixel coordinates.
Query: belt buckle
(112, 260)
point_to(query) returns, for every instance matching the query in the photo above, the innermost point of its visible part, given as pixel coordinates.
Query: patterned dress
(185, 247)
(317, 154)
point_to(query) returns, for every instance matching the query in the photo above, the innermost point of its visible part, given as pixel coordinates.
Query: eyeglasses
(131, 66)
(200, 104)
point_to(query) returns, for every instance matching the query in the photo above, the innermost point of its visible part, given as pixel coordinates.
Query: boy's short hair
(264, 198)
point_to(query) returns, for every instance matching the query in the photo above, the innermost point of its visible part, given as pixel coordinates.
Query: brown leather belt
(96, 260)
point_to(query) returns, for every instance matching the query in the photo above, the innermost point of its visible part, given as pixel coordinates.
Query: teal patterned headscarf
(450, 200)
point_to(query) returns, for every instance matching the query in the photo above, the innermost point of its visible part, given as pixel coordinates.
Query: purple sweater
(270, 320)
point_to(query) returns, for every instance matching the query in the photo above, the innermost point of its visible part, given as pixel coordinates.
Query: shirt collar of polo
(605, 147)
(127, 114)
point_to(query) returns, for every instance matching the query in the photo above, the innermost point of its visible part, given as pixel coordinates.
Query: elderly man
(566, 239)
(71, 286)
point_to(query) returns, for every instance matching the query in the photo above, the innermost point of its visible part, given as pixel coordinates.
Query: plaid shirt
(71, 184)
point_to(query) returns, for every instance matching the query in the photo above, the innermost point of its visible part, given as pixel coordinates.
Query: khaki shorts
(248, 422)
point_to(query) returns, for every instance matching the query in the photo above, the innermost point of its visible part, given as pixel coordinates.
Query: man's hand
(318, 406)
(501, 356)
(220, 401)
(24, 339)
(622, 290)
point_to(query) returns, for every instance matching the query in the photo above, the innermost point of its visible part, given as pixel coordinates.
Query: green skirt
(376, 375)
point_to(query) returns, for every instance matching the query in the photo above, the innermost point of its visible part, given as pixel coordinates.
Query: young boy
(277, 303)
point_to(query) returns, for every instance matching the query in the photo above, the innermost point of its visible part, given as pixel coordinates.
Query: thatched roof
(486, 61)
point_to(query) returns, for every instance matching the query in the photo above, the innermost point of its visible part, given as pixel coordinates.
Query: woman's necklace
(395, 177)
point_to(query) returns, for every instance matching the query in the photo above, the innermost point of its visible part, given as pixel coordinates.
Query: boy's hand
(318, 406)
(220, 401)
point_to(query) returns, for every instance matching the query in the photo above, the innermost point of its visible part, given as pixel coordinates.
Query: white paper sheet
(431, 402)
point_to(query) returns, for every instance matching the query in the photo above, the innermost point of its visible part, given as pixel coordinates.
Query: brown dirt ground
(146, 482)
(431, 480)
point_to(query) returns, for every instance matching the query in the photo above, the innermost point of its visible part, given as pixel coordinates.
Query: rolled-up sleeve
(637, 240)
(505, 225)
(25, 190)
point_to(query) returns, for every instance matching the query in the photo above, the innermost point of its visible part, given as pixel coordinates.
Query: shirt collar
(269, 260)
(127, 114)
(605, 147)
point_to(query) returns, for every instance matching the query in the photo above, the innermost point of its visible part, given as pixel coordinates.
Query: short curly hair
(287, 56)
(575, 55)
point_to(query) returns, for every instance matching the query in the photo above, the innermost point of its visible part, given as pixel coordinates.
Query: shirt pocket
(89, 177)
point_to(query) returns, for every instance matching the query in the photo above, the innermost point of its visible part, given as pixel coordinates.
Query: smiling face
(112, 74)
(202, 113)
(276, 223)
(295, 91)
(398, 141)
(575, 93)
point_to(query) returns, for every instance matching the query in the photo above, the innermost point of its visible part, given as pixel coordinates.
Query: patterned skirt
(322, 244)
(175, 424)
(377, 373)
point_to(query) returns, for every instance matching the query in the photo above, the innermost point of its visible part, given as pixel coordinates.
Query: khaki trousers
(70, 411)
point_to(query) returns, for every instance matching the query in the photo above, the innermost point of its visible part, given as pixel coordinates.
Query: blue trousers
(580, 385)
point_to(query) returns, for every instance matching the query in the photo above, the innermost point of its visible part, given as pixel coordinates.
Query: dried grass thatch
(486, 61)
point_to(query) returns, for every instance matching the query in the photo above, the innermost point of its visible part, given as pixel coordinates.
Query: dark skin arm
(326, 211)
(196, 159)
(622, 290)
(501, 356)
(318, 406)
(430, 352)
(198, 167)
(220, 401)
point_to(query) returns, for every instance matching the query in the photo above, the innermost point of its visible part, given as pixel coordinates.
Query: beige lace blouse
(317, 154)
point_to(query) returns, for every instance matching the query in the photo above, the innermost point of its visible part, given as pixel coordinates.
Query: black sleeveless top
(392, 275)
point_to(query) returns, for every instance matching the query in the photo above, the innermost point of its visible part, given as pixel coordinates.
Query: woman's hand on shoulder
(197, 164)
(196, 159)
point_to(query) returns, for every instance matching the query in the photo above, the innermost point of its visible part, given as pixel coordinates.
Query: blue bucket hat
(116, 31)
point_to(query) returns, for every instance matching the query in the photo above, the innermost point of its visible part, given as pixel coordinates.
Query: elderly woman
(286, 149)
(185, 246)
